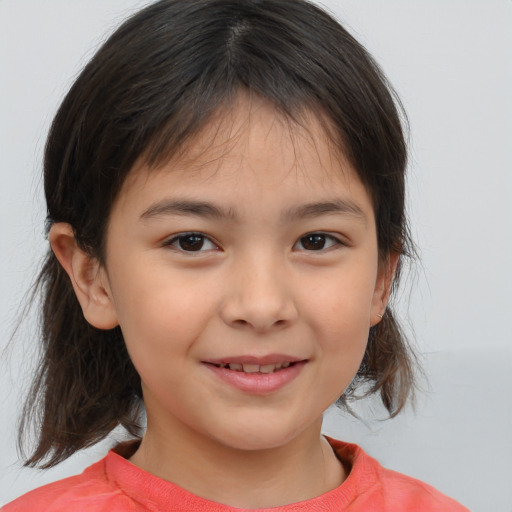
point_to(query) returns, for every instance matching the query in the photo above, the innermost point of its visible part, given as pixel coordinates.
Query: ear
(88, 277)
(385, 276)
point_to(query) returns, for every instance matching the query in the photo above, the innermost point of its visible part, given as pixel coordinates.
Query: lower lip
(258, 383)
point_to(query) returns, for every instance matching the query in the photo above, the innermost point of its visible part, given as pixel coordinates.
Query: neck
(301, 469)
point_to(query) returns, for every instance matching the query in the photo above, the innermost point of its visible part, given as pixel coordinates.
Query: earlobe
(88, 278)
(383, 285)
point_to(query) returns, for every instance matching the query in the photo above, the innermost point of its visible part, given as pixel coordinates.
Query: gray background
(451, 62)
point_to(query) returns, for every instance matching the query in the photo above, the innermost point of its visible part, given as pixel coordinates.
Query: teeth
(251, 368)
(255, 368)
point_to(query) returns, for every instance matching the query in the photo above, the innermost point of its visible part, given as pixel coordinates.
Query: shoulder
(413, 494)
(388, 489)
(90, 490)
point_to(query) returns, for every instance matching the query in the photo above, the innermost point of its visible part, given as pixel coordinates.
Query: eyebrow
(206, 209)
(186, 207)
(335, 206)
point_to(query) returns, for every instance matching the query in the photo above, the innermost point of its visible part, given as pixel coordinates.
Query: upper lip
(259, 360)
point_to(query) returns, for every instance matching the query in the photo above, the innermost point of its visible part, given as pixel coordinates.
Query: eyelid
(337, 239)
(174, 239)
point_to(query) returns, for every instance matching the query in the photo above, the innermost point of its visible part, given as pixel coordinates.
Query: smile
(255, 368)
(257, 376)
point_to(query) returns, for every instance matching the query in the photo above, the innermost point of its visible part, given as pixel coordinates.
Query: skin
(257, 287)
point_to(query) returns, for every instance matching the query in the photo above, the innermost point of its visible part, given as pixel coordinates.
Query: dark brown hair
(154, 84)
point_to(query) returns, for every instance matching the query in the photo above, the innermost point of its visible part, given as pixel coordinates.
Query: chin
(257, 437)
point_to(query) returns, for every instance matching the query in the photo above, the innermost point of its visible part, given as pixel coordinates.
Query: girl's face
(245, 277)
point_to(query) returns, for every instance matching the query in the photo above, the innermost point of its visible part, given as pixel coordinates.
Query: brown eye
(191, 242)
(313, 242)
(316, 242)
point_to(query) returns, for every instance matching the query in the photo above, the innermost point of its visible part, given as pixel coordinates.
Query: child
(225, 192)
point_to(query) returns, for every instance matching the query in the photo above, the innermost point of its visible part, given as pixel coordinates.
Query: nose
(259, 296)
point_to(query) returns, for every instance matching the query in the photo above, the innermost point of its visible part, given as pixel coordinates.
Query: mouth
(255, 368)
(257, 376)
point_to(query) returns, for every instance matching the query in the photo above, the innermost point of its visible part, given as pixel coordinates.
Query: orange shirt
(115, 485)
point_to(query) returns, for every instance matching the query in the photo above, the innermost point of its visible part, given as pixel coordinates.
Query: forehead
(250, 148)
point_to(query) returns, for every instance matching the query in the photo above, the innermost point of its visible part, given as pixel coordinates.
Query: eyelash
(335, 241)
(176, 242)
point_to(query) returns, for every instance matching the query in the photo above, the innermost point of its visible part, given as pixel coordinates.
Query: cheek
(340, 316)
(341, 307)
(159, 315)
